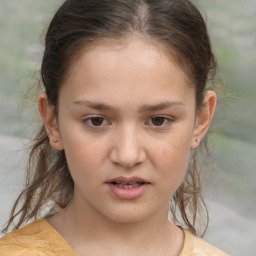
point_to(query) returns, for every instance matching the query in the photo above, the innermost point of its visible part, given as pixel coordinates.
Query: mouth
(128, 185)
(127, 188)
(128, 182)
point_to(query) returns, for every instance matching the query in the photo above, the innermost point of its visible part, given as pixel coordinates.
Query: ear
(50, 121)
(204, 118)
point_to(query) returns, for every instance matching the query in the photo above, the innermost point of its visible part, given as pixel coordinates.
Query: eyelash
(167, 121)
(88, 120)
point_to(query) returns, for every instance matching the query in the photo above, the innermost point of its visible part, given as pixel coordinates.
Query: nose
(127, 149)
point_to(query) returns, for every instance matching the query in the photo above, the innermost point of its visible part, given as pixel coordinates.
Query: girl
(125, 110)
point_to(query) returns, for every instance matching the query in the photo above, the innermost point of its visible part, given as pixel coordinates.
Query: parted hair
(179, 27)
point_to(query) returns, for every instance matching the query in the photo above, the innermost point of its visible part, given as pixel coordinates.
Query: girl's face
(127, 122)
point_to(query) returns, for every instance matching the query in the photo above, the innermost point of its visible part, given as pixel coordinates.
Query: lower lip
(127, 193)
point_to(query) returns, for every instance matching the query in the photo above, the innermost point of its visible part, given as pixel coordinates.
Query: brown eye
(97, 121)
(158, 121)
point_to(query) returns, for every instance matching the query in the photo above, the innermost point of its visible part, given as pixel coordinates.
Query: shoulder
(36, 238)
(195, 246)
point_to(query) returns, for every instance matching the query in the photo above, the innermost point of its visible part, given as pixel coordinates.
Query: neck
(87, 231)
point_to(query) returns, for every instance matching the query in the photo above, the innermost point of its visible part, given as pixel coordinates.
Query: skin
(127, 143)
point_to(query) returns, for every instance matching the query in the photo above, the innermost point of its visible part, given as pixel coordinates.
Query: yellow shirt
(39, 238)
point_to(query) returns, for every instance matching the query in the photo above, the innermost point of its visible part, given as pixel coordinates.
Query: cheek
(174, 160)
(175, 147)
(84, 156)
(78, 144)
(84, 162)
(171, 160)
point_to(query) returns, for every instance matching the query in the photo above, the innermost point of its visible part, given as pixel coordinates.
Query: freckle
(164, 152)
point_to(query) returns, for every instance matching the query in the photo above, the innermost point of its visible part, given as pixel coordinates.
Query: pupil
(97, 121)
(158, 120)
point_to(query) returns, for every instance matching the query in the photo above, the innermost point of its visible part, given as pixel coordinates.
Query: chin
(127, 216)
(127, 219)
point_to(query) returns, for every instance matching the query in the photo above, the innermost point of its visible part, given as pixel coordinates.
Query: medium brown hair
(175, 24)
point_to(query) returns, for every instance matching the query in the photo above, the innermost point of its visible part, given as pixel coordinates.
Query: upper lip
(127, 180)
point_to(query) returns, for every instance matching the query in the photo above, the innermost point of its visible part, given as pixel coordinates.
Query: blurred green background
(232, 25)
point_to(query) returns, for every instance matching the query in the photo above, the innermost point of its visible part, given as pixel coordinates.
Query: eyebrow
(145, 108)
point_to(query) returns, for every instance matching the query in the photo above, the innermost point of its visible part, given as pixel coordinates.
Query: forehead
(136, 67)
(142, 51)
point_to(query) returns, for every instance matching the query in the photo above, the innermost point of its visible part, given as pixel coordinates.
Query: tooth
(128, 185)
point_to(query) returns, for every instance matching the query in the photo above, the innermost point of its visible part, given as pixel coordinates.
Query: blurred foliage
(21, 27)
(232, 25)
